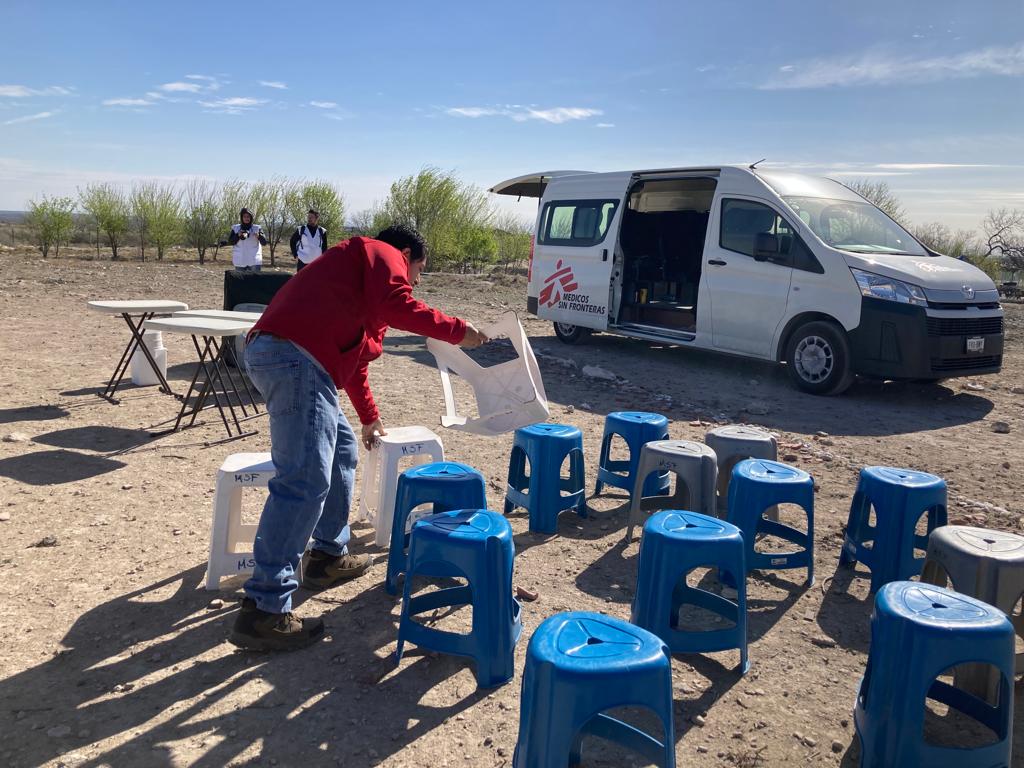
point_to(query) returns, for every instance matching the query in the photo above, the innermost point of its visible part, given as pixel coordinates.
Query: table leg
(235, 388)
(210, 364)
(136, 342)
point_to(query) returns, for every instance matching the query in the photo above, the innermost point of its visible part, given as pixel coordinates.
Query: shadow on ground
(55, 467)
(101, 439)
(341, 700)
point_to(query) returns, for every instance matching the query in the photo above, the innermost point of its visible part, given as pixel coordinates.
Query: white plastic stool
(509, 395)
(239, 470)
(380, 473)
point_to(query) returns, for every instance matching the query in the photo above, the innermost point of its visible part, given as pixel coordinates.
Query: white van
(764, 264)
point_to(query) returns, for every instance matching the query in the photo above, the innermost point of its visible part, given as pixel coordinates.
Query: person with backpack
(310, 241)
(247, 241)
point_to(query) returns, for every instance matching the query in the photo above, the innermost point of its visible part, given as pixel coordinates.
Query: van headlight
(889, 289)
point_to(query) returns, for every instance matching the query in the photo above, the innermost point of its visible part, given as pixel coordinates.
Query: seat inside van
(662, 241)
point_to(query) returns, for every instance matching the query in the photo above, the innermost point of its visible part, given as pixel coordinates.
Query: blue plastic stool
(899, 497)
(757, 485)
(673, 544)
(544, 494)
(445, 484)
(636, 428)
(579, 665)
(475, 545)
(919, 631)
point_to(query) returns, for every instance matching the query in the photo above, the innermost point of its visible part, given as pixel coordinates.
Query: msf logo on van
(560, 292)
(562, 279)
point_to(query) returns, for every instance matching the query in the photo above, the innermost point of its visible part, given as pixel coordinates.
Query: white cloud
(606, 125)
(28, 118)
(323, 104)
(208, 78)
(885, 68)
(235, 105)
(127, 103)
(520, 114)
(181, 87)
(23, 91)
(274, 84)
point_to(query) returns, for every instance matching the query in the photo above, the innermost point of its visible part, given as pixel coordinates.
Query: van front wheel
(571, 334)
(818, 359)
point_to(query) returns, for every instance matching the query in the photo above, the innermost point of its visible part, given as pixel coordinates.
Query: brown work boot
(258, 630)
(322, 571)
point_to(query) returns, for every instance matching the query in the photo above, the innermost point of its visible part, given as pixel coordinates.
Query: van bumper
(901, 341)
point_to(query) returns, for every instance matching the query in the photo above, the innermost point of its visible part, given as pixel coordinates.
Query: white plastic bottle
(142, 372)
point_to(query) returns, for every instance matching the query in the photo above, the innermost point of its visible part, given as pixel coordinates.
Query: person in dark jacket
(309, 241)
(247, 241)
(317, 337)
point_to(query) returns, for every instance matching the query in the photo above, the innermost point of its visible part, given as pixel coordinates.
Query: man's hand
(371, 432)
(473, 337)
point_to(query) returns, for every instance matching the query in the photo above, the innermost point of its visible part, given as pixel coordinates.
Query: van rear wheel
(571, 334)
(818, 358)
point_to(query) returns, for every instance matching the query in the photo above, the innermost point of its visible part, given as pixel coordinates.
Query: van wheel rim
(566, 329)
(814, 359)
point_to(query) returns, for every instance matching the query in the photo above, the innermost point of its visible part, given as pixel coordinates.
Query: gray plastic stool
(732, 445)
(984, 564)
(696, 469)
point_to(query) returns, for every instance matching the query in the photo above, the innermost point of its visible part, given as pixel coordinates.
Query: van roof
(782, 182)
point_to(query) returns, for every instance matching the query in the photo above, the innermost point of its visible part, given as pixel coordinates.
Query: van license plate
(977, 344)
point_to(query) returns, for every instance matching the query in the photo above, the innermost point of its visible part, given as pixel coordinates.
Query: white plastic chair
(239, 470)
(508, 395)
(381, 469)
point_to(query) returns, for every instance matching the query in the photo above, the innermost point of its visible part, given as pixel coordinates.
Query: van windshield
(853, 226)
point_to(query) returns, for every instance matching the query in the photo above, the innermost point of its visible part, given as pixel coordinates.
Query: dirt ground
(115, 655)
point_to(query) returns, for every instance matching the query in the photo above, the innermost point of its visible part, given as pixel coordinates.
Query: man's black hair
(401, 236)
(313, 211)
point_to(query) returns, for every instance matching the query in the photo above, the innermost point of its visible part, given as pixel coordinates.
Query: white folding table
(135, 313)
(220, 314)
(214, 372)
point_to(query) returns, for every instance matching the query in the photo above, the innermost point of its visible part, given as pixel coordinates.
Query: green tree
(51, 221)
(165, 226)
(277, 217)
(513, 236)
(142, 202)
(878, 192)
(109, 210)
(321, 196)
(1004, 237)
(450, 215)
(202, 216)
(234, 195)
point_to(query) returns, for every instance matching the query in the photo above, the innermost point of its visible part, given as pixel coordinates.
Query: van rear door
(575, 248)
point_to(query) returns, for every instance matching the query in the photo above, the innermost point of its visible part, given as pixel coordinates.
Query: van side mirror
(766, 246)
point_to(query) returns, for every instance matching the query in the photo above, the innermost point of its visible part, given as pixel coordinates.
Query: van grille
(967, 363)
(965, 326)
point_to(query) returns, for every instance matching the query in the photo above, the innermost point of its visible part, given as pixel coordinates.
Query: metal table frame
(135, 342)
(214, 371)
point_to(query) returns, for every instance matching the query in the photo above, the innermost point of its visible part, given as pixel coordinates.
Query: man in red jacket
(317, 337)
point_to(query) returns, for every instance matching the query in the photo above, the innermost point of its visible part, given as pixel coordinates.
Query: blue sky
(927, 96)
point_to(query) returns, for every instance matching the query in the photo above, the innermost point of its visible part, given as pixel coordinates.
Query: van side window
(576, 222)
(744, 220)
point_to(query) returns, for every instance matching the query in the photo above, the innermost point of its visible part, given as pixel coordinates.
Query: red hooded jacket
(339, 307)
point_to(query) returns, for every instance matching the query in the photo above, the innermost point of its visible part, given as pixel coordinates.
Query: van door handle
(717, 262)
(604, 254)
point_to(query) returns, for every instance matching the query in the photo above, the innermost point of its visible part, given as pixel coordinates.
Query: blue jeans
(315, 453)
